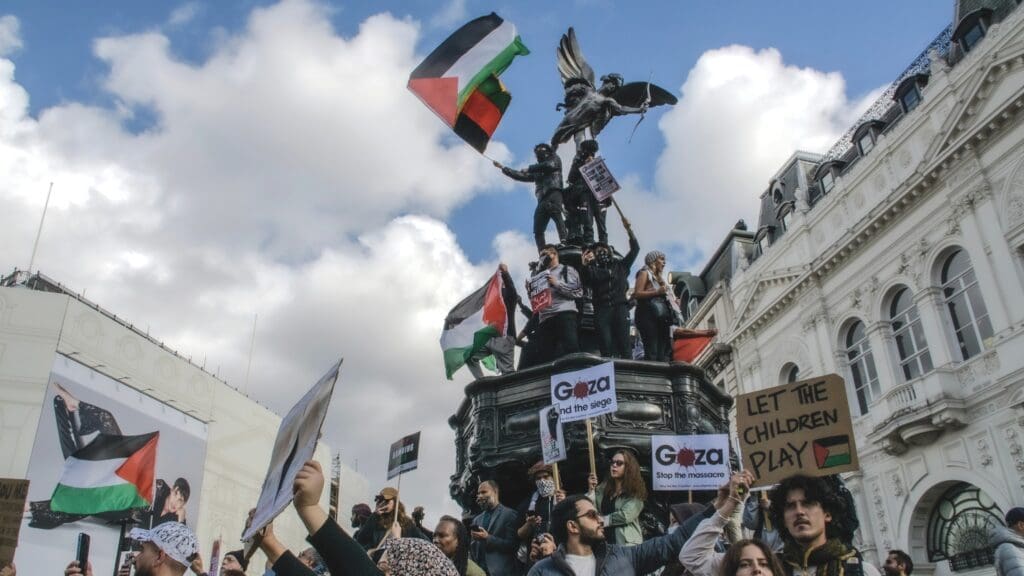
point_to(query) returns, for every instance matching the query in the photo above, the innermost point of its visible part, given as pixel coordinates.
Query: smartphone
(82, 554)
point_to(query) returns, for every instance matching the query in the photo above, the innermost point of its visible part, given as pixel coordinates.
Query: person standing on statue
(546, 175)
(578, 197)
(608, 280)
(554, 289)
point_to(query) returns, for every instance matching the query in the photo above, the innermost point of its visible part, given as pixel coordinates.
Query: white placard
(295, 444)
(699, 462)
(585, 393)
(599, 179)
(552, 439)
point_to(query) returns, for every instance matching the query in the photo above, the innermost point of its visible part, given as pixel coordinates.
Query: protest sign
(13, 493)
(295, 444)
(803, 427)
(552, 440)
(585, 393)
(404, 455)
(699, 462)
(599, 179)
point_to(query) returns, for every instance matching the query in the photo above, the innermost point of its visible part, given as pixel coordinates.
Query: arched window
(906, 330)
(862, 366)
(792, 373)
(967, 311)
(959, 527)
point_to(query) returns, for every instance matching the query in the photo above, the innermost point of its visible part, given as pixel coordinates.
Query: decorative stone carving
(1016, 451)
(897, 485)
(983, 456)
(879, 502)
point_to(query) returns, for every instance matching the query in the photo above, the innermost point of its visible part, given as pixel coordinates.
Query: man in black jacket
(608, 280)
(546, 175)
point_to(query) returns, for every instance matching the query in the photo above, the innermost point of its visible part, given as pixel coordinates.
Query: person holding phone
(494, 533)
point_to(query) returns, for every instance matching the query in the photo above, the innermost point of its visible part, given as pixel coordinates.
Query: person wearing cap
(167, 550)
(234, 563)
(535, 511)
(378, 524)
(1009, 544)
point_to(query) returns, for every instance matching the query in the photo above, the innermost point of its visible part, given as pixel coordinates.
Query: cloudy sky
(213, 162)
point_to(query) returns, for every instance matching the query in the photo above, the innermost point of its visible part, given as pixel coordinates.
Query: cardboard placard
(585, 393)
(404, 455)
(599, 178)
(803, 427)
(294, 445)
(552, 439)
(13, 493)
(698, 462)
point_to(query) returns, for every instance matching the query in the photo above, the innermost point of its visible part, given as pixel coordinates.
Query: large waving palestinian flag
(474, 321)
(459, 79)
(109, 474)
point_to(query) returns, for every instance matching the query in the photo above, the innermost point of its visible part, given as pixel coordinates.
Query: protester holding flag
(546, 174)
(620, 499)
(479, 322)
(503, 345)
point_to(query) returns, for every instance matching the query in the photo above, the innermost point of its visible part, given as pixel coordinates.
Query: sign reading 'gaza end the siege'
(803, 427)
(585, 393)
(698, 462)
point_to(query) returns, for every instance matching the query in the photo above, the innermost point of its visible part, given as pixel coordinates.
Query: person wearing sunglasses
(379, 523)
(620, 499)
(582, 550)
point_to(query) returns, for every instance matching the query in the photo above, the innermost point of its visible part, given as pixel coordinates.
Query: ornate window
(959, 527)
(828, 180)
(906, 330)
(972, 28)
(862, 366)
(967, 312)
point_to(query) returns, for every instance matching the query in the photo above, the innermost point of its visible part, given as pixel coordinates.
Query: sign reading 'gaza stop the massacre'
(698, 462)
(803, 427)
(585, 393)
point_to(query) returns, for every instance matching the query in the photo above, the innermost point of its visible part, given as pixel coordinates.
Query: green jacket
(473, 569)
(625, 520)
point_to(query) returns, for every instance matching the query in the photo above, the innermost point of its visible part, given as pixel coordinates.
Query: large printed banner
(293, 447)
(552, 439)
(801, 427)
(585, 393)
(82, 405)
(699, 462)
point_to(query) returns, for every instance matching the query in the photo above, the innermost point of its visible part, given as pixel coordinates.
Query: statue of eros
(588, 108)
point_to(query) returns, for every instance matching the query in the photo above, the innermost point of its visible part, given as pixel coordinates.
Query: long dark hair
(632, 482)
(461, 558)
(731, 561)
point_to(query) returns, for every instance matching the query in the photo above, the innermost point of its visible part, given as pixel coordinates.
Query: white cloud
(452, 13)
(10, 35)
(289, 175)
(184, 14)
(741, 115)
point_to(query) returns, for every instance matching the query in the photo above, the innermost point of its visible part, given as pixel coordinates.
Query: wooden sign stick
(590, 445)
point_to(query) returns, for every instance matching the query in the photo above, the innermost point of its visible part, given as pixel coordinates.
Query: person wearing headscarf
(654, 310)
(414, 557)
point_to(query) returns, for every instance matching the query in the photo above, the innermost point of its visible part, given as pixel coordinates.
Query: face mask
(604, 258)
(546, 488)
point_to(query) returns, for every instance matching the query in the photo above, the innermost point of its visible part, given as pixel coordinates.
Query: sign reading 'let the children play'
(803, 427)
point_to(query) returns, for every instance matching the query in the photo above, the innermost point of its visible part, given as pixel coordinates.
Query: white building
(896, 260)
(44, 327)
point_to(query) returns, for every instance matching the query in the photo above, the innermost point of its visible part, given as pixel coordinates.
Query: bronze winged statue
(589, 108)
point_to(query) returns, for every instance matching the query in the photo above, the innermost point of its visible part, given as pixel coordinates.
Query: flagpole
(120, 544)
(35, 245)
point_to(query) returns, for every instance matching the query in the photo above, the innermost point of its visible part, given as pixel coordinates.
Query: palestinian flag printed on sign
(110, 474)
(459, 79)
(474, 321)
(832, 451)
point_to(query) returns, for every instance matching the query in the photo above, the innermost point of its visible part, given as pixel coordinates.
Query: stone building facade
(896, 259)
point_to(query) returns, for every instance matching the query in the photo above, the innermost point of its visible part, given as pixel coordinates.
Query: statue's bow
(643, 108)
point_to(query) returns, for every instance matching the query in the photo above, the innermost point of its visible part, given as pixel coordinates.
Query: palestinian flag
(109, 474)
(459, 79)
(688, 345)
(832, 451)
(474, 321)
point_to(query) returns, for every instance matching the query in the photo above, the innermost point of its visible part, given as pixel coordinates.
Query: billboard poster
(803, 427)
(82, 406)
(698, 462)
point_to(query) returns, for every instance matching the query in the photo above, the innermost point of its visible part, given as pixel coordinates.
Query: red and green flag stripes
(459, 79)
(110, 474)
(478, 318)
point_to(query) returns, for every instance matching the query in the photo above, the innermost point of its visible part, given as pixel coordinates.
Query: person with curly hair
(620, 499)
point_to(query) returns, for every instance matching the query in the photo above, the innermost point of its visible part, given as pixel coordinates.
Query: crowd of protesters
(802, 526)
